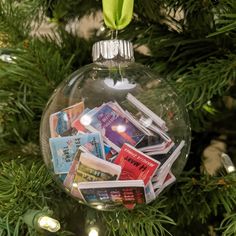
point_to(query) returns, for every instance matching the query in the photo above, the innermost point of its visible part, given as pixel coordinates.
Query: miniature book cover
(135, 164)
(86, 167)
(63, 149)
(115, 127)
(109, 152)
(115, 106)
(113, 193)
(76, 124)
(61, 122)
(91, 168)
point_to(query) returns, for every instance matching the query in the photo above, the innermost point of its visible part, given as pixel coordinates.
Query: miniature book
(135, 164)
(61, 122)
(111, 194)
(64, 148)
(86, 167)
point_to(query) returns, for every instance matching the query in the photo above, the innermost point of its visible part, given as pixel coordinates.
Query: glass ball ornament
(114, 134)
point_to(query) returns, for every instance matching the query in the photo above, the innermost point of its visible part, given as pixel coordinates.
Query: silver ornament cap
(112, 49)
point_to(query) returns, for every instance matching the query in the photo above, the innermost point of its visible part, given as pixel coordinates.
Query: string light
(41, 220)
(49, 224)
(91, 223)
(93, 232)
(227, 163)
(7, 58)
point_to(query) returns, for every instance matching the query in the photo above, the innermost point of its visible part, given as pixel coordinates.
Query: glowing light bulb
(7, 58)
(227, 163)
(85, 120)
(120, 128)
(49, 224)
(93, 232)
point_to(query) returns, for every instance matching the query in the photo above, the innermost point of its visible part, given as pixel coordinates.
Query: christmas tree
(191, 43)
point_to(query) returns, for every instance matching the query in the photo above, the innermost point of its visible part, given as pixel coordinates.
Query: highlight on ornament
(115, 135)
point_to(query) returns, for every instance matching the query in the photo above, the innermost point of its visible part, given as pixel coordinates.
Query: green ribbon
(117, 14)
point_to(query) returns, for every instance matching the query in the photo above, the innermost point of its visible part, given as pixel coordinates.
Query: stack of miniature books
(107, 156)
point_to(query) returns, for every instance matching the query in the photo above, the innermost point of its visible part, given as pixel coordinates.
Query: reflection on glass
(86, 120)
(124, 84)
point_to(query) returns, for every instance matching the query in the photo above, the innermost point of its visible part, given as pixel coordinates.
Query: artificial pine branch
(26, 85)
(228, 225)
(23, 186)
(150, 221)
(199, 197)
(213, 77)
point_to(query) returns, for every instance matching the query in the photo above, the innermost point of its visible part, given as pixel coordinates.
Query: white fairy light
(7, 58)
(49, 224)
(227, 163)
(93, 232)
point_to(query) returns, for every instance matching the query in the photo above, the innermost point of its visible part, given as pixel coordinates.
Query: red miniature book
(135, 164)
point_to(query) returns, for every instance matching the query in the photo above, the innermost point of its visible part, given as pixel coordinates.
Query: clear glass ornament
(138, 125)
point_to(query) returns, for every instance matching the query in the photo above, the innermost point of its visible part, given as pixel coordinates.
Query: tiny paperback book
(169, 179)
(148, 123)
(76, 124)
(166, 164)
(86, 167)
(171, 156)
(114, 127)
(80, 128)
(109, 194)
(60, 122)
(157, 149)
(135, 164)
(68, 181)
(115, 106)
(167, 161)
(149, 192)
(145, 110)
(63, 149)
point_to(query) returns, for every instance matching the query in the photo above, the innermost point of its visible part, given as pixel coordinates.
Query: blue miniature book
(63, 149)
